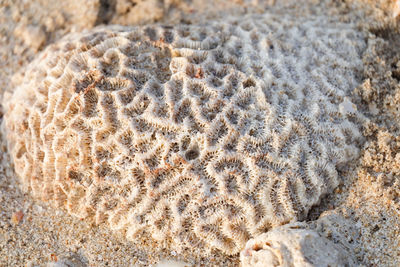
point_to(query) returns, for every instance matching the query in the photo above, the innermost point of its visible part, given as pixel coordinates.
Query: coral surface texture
(196, 135)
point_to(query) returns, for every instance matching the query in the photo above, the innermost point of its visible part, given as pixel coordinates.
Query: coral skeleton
(199, 135)
(294, 245)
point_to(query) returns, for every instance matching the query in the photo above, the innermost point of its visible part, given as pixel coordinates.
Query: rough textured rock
(200, 136)
(293, 245)
(130, 12)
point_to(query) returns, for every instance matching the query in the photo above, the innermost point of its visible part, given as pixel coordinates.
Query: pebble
(32, 36)
(17, 217)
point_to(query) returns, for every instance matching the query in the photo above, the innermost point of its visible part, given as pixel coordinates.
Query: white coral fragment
(204, 136)
(347, 107)
(293, 245)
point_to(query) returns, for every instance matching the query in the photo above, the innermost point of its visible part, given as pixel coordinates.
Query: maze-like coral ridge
(201, 136)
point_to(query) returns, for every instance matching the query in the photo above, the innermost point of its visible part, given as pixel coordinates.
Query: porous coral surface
(200, 136)
(293, 245)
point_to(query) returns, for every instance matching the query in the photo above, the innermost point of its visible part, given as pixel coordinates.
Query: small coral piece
(293, 245)
(204, 136)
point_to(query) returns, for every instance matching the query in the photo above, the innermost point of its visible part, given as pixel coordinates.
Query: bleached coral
(200, 136)
(293, 245)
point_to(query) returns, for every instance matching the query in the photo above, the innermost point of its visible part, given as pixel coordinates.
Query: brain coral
(200, 136)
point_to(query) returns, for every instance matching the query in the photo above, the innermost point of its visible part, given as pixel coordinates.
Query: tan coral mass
(204, 136)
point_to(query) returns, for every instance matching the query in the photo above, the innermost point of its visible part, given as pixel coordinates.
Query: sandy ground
(363, 213)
